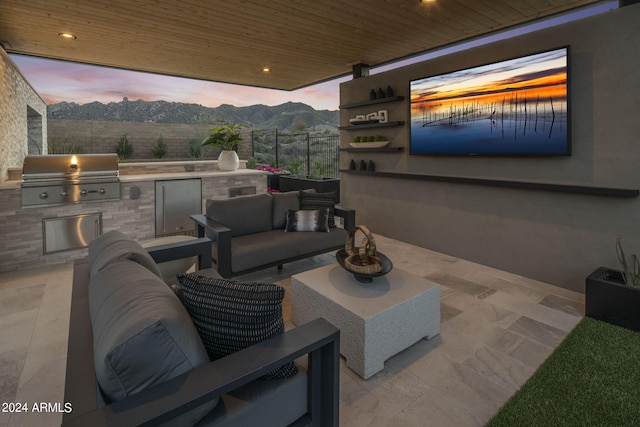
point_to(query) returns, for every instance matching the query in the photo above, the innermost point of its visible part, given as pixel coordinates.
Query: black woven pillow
(231, 315)
(309, 201)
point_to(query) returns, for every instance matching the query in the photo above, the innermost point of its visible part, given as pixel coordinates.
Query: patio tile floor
(496, 329)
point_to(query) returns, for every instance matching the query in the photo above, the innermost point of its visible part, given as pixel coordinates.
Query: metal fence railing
(301, 153)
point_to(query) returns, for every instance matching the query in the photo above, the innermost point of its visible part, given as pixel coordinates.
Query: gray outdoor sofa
(248, 232)
(134, 357)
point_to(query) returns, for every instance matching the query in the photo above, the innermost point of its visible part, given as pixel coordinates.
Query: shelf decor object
(373, 144)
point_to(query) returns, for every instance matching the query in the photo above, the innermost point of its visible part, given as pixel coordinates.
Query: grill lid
(69, 167)
(60, 178)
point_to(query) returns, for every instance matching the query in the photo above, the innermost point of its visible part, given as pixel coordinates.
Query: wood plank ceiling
(301, 41)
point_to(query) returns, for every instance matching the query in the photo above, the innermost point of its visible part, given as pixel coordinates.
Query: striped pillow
(310, 201)
(231, 315)
(309, 220)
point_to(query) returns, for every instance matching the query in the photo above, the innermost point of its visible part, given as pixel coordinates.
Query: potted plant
(613, 295)
(369, 141)
(273, 179)
(225, 138)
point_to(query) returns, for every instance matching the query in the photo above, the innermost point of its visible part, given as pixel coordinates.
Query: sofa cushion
(243, 214)
(231, 315)
(142, 334)
(307, 220)
(114, 246)
(282, 202)
(319, 201)
(276, 245)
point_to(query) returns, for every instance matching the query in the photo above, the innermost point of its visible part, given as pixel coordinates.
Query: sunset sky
(543, 69)
(58, 81)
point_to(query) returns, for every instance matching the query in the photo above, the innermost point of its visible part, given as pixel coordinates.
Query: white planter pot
(228, 161)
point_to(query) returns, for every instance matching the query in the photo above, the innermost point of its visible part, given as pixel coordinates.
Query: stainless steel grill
(74, 178)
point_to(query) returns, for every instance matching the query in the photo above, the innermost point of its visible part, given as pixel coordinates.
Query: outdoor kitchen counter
(180, 175)
(22, 228)
(127, 175)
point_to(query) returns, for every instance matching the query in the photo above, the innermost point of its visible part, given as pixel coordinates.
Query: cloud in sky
(58, 81)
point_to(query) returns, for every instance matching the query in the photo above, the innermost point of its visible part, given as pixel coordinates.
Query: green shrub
(252, 163)
(160, 149)
(124, 149)
(317, 171)
(294, 167)
(196, 150)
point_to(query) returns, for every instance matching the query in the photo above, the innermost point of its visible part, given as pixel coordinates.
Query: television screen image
(513, 107)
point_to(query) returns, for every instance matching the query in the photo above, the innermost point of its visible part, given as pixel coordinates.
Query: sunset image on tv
(518, 106)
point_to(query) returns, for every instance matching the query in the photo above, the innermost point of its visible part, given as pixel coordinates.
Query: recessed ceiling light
(67, 36)
(266, 69)
(427, 1)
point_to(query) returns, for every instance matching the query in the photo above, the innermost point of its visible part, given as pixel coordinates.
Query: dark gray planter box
(325, 185)
(607, 298)
(273, 181)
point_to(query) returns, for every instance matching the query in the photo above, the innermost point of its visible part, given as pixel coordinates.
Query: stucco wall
(16, 98)
(554, 237)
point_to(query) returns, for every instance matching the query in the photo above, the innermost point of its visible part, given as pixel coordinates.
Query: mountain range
(259, 116)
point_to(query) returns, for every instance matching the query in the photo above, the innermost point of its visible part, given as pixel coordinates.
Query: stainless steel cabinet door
(70, 232)
(176, 200)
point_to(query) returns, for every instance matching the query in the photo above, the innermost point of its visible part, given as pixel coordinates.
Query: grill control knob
(44, 195)
(63, 194)
(83, 193)
(102, 191)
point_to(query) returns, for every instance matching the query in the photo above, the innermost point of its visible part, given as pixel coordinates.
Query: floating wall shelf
(565, 188)
(372, 150)
(372, 102)
(371, 125)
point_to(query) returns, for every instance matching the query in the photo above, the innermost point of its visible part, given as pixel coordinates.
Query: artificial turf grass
(591, 379)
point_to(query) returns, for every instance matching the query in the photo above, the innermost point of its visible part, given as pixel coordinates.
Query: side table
(377, 320)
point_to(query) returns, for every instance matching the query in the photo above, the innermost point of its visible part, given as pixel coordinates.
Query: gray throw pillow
(231, 315)
(308, 220)
(282, 202)
(319, 201)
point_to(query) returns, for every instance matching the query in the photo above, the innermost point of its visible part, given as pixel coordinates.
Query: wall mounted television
(516, 107)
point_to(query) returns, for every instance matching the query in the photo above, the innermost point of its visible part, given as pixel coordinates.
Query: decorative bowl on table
(363, 261)
(373, 144)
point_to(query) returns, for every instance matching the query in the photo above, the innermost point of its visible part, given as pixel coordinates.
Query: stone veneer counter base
(376, 320)
(21, 245)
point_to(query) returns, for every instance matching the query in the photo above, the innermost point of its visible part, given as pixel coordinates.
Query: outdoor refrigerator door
(176, 201)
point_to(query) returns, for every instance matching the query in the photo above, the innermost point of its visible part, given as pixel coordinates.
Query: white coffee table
(376, 320)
